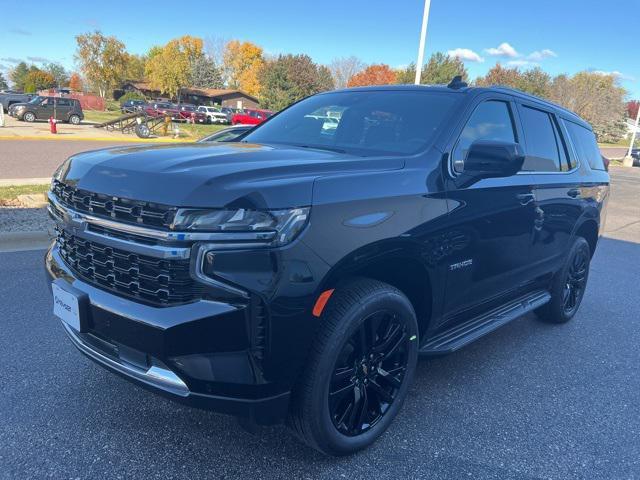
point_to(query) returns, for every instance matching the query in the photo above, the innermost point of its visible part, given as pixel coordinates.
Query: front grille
(129, 211)
(146, 279)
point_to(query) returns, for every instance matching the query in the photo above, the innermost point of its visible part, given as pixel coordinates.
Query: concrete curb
(55, 138)
(10, 182)
(22, 241)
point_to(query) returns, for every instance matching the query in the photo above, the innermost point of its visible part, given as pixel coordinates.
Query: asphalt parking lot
(528, 401)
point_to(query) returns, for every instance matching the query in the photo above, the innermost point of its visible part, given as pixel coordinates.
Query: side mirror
(491, 159)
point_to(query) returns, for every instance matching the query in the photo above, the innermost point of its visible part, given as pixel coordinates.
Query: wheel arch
(588, 229)
(398, 265)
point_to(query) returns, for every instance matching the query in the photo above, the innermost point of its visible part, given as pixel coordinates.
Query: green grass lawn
(187, 131)
(12, 192)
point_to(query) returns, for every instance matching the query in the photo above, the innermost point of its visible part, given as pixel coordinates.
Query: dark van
(42, 108)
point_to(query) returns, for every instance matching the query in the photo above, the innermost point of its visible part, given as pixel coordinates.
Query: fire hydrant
(52, 125)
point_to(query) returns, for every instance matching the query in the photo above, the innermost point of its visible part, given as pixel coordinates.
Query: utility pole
(628, 160)
(423, 38)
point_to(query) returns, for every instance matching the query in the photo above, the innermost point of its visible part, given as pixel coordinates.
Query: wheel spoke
(388, 338)
(354, 415)
(390, 379)
(342, 374)
(381, 392)
(395, 346)
(338, 395)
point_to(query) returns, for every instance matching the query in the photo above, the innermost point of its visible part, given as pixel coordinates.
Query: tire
(29, 117)
(74, 119)
(341, 380)
(569, 284)
(142, 130)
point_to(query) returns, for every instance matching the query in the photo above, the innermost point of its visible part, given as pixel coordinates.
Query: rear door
(491, 220)
(556, 186)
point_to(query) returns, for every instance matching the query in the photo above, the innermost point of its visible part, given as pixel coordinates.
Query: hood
(213, 175)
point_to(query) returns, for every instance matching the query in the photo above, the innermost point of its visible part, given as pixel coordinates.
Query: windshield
(36, 100)
(360, 122)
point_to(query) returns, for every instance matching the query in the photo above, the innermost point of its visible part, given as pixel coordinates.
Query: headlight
(277, 226)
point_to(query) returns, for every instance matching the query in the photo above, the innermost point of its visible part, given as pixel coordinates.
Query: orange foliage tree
(75, 82)
(373, 75)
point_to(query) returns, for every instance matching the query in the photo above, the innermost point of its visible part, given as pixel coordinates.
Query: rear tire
(569, 284)
(74, 120)
(359, 370)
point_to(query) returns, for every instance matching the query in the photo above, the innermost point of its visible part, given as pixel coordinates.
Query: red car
(158, 109)
(188, 113)
(250, 117)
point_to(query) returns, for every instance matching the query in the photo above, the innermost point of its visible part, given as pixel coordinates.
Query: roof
(216, 92)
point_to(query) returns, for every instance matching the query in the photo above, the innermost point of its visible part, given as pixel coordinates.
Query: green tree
(18, 75)
(168, 68)
(3, 82)
(102, 60)
(288, 78)
(205, 73)
(406, 75)
(134, 67)
(441, 68)
(58, 72)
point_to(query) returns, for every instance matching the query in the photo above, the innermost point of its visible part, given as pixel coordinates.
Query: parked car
(8, 98)
(230, 112)
(190, 113)
(227, 135)
(298, 274)
(250, 117)
(214, 115)
(130, 106)
(157, 109)
(635, 154)
(42, 108)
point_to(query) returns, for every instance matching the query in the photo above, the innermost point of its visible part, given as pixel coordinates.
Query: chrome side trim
(70, 215)
(156, 376)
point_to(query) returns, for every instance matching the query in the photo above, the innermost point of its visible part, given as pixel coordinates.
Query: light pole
(628, 160)
(423, 38)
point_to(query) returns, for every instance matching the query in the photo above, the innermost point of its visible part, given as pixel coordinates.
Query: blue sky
(560, 35)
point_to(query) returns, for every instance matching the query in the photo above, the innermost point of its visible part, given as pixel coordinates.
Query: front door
(45, 109)
(491, 220)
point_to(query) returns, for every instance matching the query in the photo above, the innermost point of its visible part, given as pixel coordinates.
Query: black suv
(298, 273)
(43, 108)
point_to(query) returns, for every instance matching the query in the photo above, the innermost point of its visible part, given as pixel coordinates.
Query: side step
(464, 333)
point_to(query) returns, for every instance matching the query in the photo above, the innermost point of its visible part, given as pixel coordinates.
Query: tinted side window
(491, 120)
(63, 102)
(543, 149)
(584, 142)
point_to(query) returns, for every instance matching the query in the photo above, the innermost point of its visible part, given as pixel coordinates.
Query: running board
(462, 334)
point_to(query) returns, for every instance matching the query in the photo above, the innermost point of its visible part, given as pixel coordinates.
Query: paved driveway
(528, 401)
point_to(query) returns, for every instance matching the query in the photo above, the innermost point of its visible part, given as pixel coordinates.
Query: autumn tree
(134, 66)
(168, 68)
(632, 108)
(58, 72)
(37, 80)
(18, 75)
(205, 73)
(242, 63)
(499, 75)
(102, 60)
(3, 82)
(288, 78)
(75, 82)
(343, 68)
(373, 75)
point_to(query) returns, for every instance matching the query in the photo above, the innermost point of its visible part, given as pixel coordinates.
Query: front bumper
(197, 353)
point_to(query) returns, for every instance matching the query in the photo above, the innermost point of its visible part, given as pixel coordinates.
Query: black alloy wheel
(368, 373)
(576, 281)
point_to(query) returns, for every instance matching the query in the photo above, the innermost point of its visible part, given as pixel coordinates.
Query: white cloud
(522, 63)
(614, 73)
(465, 54)
(542, 54)
(503, 50)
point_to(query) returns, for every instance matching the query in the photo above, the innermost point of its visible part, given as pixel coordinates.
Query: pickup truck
(9, 98)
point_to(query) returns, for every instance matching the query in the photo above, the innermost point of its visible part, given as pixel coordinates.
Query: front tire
(569, 284)
(359, 369)
(29, 117)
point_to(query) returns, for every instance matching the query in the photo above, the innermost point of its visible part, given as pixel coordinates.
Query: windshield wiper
(322, 147)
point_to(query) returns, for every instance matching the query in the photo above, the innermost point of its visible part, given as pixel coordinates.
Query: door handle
(525, 198)
(574, 192)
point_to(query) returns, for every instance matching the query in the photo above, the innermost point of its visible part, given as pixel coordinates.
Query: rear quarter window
(585, 145)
